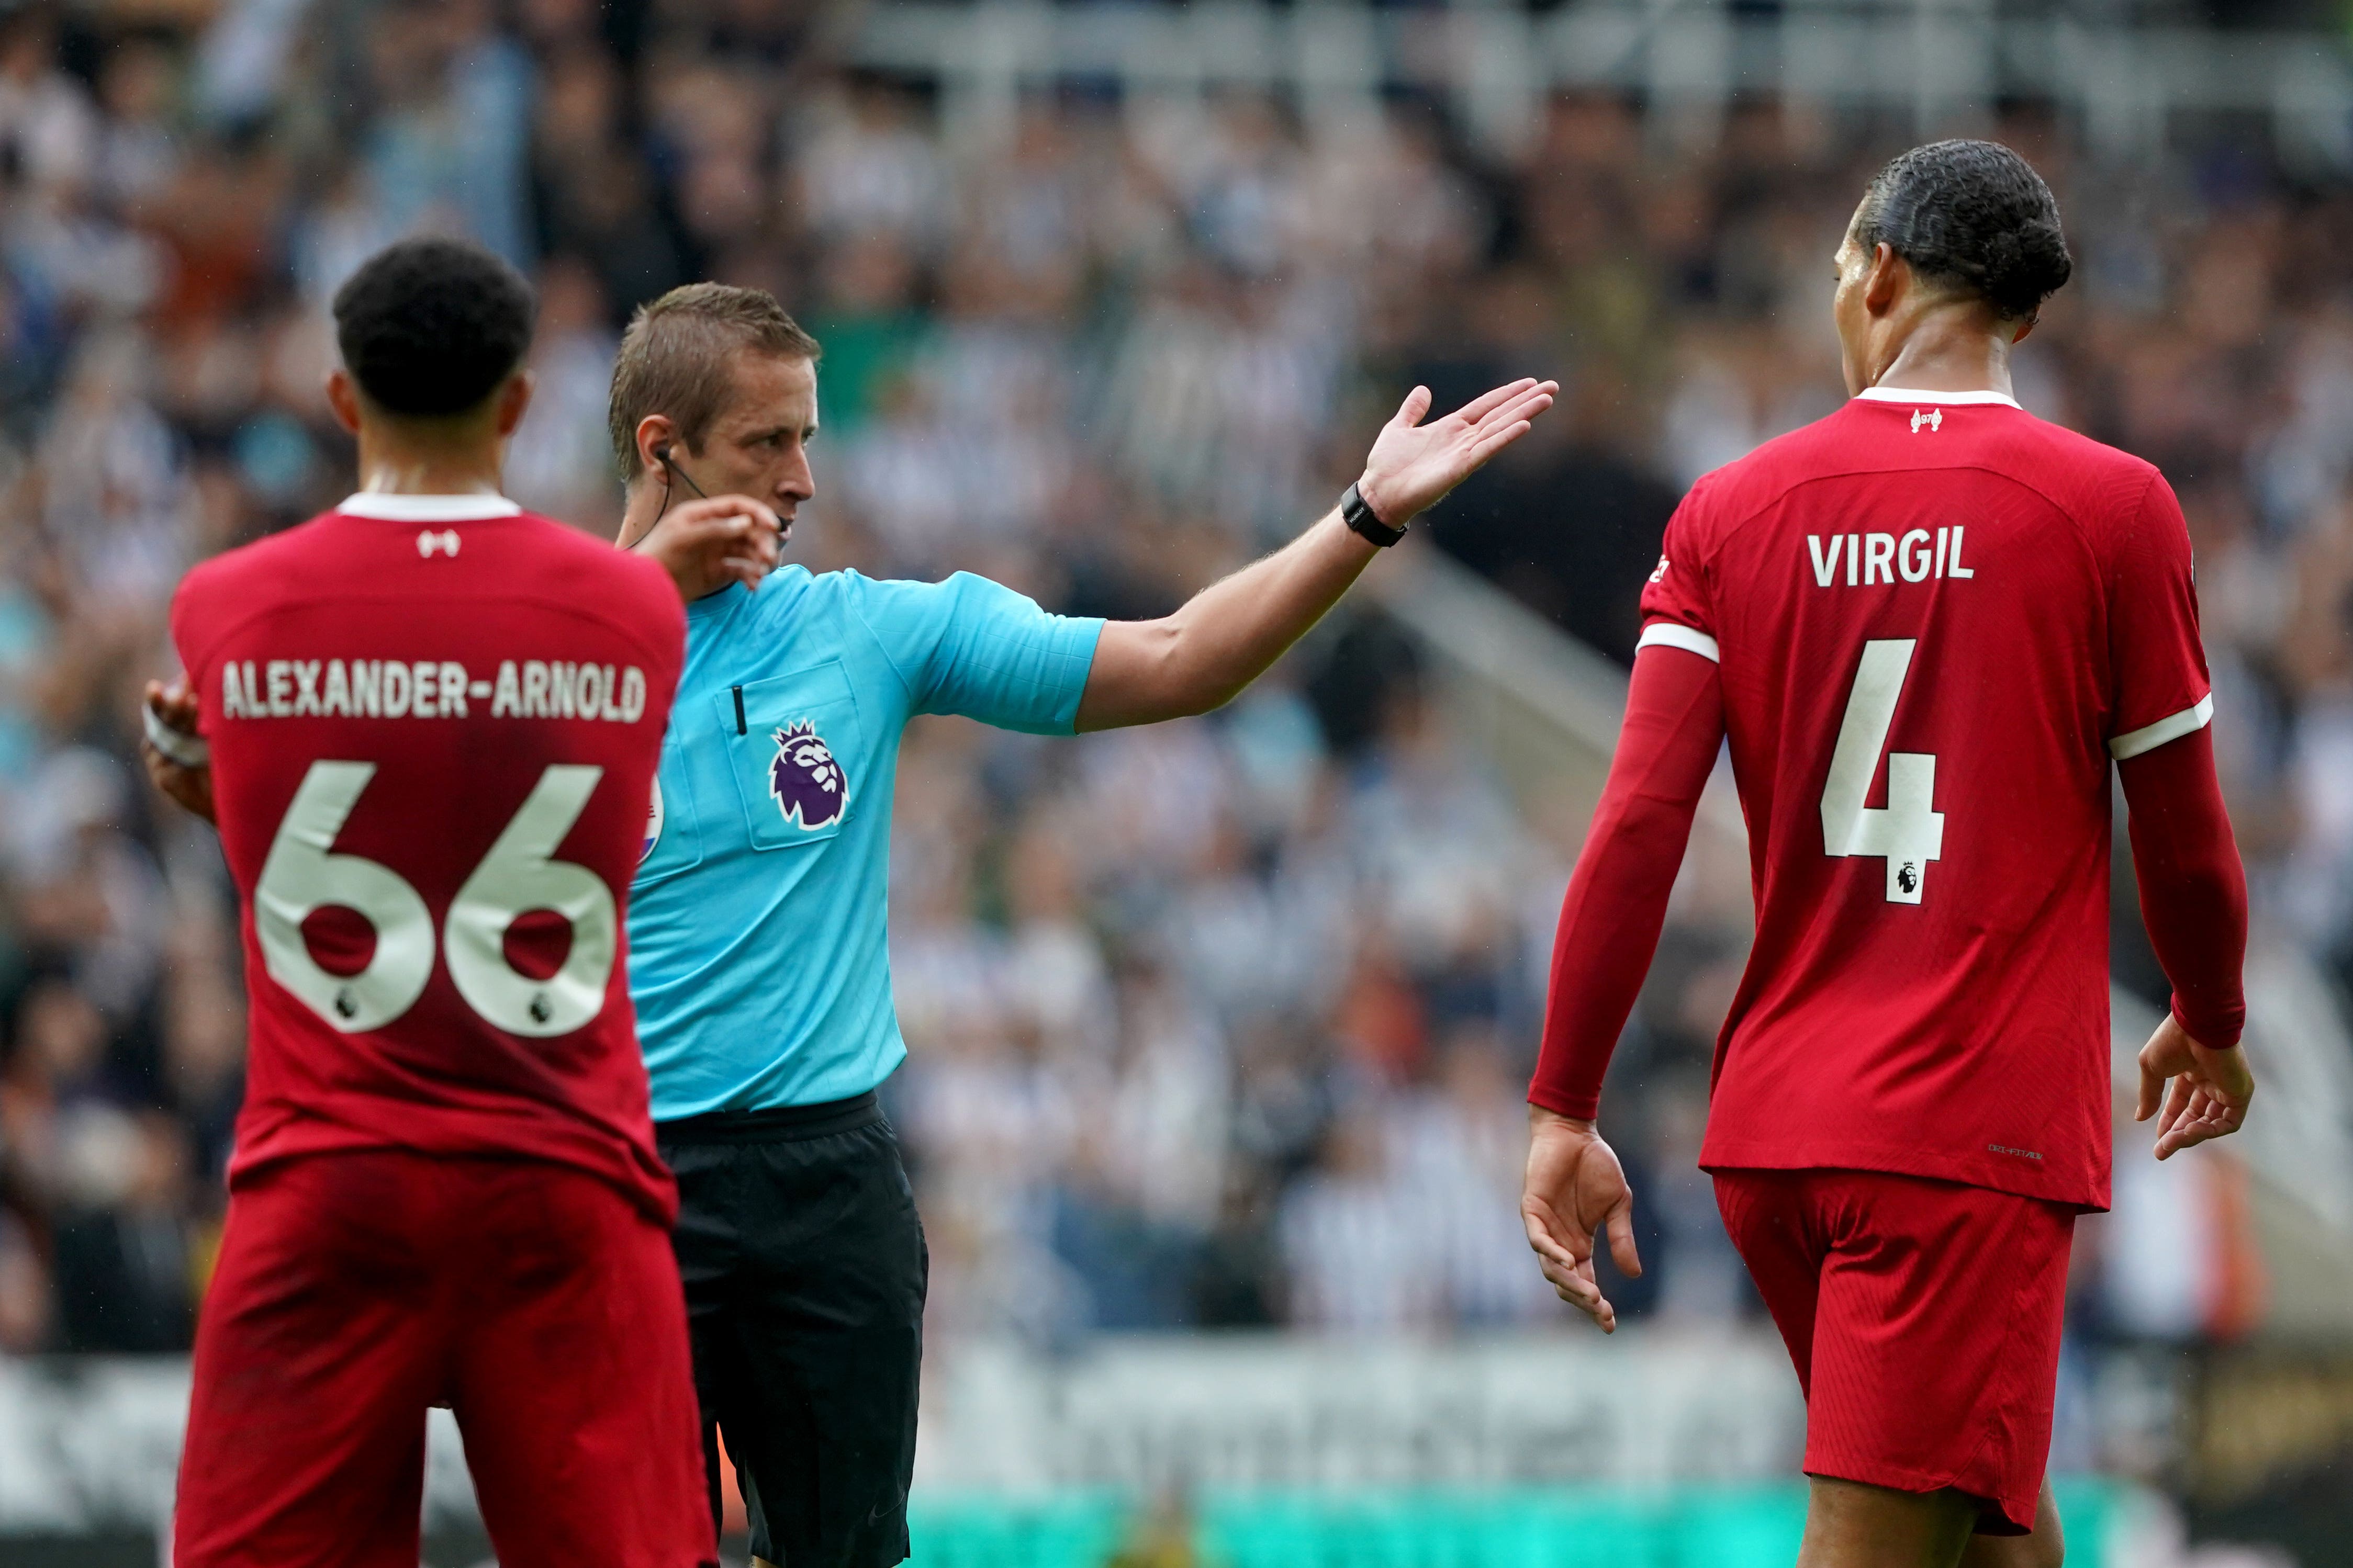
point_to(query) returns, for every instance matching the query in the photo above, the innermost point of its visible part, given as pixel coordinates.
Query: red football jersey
(1937, 619)
(434, 723)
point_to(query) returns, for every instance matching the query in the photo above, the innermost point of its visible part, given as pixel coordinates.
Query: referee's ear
(656, 435)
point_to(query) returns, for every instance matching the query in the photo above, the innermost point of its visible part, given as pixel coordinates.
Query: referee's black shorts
(804, 1271)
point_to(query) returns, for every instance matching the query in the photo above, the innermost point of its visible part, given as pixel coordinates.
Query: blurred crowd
(1219, 1023)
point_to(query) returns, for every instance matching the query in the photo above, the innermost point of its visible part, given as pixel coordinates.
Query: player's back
(1936, 618)
(434, 733)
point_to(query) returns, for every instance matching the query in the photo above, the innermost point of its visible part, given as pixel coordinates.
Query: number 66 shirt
(434, 722)
(1937, 619)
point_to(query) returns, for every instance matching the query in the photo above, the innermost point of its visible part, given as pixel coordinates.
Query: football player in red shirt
(1926, 625)
(432, 722)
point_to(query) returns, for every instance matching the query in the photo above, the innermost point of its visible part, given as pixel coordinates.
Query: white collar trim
(1930, 399)
(388, 507)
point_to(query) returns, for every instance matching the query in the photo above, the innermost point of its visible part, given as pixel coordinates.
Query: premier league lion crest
(805, 781)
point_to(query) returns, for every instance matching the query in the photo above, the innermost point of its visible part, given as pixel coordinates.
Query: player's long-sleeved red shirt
(1925, 625)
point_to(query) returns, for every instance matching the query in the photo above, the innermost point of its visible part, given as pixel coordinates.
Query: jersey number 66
(303, 875)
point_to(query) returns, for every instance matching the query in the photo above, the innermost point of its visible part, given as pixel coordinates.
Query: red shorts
(357, 1288)
(1923, 1318)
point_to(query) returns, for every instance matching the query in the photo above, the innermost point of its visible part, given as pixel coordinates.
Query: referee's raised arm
(1226, 635)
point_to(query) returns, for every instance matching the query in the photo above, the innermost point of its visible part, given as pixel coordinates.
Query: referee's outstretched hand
(1413, 465)
(706, 544)
(1575, 1188)
(2208, 1094)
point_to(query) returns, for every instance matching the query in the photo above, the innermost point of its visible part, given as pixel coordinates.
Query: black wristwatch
(1357, 513)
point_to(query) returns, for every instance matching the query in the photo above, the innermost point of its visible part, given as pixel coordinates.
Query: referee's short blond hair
(677, 355)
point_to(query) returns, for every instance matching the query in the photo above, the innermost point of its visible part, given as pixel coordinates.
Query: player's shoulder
(1839, 442)
(2083, 477)
(252, 573)
(572, 557)
(2070, 455)
(1723, 497)
(2106, 492)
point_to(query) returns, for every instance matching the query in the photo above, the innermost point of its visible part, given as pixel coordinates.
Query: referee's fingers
(727, 512)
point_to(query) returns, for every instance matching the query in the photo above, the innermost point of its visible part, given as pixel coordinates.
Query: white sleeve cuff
(189, 751)
(2149, 737)
(1671, 634)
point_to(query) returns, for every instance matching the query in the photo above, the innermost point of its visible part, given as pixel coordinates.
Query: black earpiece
(673, 471)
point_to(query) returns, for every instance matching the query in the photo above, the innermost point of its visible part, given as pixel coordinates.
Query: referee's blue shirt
(759, 957)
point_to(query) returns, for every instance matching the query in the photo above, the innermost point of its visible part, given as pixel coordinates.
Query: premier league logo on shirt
(805, 781)
(653, 825)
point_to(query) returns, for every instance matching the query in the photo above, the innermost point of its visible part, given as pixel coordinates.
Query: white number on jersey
(302, 875)
(1908, 831)
(517, 876)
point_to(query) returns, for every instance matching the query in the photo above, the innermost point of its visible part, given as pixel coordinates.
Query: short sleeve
(191, 627)
(1676, 609)
(2158, 690)
(971, 647)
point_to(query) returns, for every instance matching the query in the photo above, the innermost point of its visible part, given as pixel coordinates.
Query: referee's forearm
(1232, 631)
(1226, 635)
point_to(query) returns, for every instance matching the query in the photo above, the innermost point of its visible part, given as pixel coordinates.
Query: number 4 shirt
(1937, 619)
(434, 722)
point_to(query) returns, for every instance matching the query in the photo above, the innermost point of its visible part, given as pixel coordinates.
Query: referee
(758, 953)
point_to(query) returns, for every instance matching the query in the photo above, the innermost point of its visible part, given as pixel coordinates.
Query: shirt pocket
(797, 752)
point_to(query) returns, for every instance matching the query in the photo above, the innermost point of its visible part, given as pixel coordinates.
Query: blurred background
(1220, 1029)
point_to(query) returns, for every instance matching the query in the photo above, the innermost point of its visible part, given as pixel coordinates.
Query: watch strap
(1357, 513)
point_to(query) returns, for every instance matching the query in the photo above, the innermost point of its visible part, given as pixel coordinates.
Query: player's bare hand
(1413, 465)
(1575, 1188)
(2207, 1094)
(173, 706)
(706, 544)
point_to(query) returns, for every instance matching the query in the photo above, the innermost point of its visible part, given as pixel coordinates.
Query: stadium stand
(1221, 1023)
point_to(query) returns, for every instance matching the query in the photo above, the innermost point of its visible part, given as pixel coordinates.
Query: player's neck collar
(1949, 399)
(388, 507)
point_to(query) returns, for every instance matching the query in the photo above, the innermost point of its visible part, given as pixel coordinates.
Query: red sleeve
(2156, 661)
(1677, 608)
(1618, 897)
(2193, 891)
(191, 640)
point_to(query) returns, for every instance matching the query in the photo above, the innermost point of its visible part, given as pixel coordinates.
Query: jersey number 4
(303, 874)
(1908, 830)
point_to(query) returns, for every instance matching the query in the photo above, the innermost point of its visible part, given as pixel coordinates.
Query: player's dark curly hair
(1972, 214)
(430, 327)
